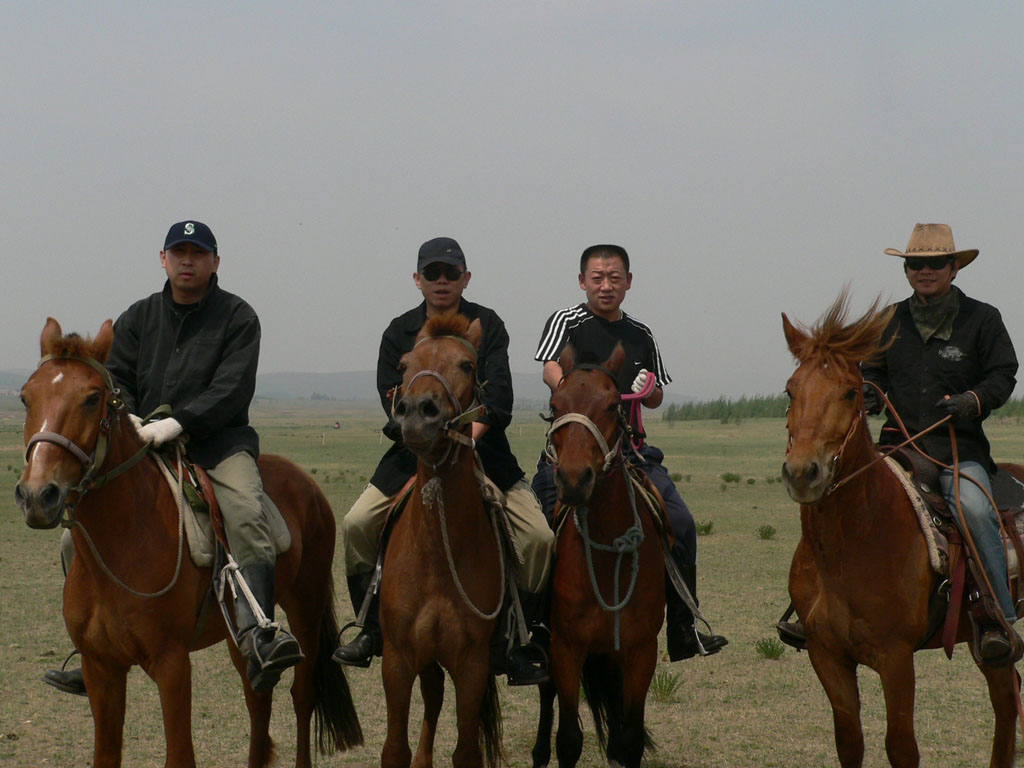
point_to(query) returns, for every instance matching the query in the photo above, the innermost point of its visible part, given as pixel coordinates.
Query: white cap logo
(190, 228)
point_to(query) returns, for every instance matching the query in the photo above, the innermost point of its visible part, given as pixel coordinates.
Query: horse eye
(92, 400)
(467, 367)
(402, 367)
(851, 394)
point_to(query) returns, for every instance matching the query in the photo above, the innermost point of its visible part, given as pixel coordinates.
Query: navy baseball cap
(194, 232)
(440, 249)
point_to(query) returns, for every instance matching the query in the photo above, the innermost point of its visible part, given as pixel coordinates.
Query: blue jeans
(983, 526)
(649, 460)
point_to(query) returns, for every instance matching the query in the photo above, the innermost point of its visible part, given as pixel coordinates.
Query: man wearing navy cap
(441, 276)
(195, 347)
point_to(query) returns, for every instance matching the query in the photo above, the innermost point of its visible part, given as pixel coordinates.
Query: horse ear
(795, 338)
(475, 333)
(568, 359)
(617, 357)
(101, 344)
(51, 334)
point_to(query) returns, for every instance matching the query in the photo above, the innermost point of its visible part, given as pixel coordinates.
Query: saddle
(939, 525)
(203, 522)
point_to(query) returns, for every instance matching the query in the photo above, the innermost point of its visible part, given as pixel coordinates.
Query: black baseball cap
(194, 232)
(440, 249)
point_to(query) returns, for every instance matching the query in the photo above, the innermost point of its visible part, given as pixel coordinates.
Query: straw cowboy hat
(934, 240)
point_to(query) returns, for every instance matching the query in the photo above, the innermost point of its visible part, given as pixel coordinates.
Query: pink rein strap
(635, 401)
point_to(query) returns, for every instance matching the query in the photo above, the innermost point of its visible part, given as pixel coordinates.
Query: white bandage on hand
(640, 381)
(160, 432)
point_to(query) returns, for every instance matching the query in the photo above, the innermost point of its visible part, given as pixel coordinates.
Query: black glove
(872, 400)
(962, 406)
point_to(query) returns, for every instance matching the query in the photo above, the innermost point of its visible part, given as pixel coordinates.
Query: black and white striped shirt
(594, 340)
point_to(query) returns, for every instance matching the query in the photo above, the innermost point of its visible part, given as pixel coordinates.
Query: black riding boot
(367, 644)
(67, 680)
(528, 664)
(684, 641)
(268, 650)
(792, 633)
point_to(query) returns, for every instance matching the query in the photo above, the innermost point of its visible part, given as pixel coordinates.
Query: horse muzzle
(575, 491)
(42, 507)
(807, 481)
(422, 419)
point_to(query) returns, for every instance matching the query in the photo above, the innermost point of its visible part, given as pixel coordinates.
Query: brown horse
(131, 596)
(860, 578)
(442, 585)
(609, 579)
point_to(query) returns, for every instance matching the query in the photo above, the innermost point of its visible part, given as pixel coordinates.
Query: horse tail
(336, 724)
(490, 725)
(602, 687)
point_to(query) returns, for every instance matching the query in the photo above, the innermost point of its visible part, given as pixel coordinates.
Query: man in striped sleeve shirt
(594, 328)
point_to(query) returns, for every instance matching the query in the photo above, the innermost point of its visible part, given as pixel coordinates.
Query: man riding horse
(441, 276)
(195, 347)
(950, 354)
(593, 328)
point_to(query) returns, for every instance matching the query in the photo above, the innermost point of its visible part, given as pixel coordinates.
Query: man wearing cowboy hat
(950, 354)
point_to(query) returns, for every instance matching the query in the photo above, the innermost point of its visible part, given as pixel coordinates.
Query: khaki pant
(239, 489)
(365, 521)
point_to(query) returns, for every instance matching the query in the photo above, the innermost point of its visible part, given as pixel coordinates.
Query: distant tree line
(728, 410)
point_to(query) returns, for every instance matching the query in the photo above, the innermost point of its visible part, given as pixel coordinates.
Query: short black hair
(613, 250)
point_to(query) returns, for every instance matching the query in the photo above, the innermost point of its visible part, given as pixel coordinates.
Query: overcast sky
(751, 156)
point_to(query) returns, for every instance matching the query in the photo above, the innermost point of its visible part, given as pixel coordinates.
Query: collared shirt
(399, 463)
(200, 359)
(916, 374)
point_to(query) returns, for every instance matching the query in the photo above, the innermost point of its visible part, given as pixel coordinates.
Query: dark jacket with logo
(979, 357)
(399, 463)
(200, 359)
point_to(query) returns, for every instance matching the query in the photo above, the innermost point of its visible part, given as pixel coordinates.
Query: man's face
(441, 285)
(606, 282)
(188, 269)
(930, 277)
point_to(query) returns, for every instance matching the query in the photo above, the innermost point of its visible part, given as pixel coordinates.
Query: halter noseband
(610, 454)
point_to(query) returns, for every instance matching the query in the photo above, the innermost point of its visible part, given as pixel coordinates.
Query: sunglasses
(935, 263)
(433, 272)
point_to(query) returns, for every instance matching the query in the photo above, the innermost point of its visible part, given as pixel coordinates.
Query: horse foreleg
(566, 669)
(172, 673)
(629, 737)
(470, 680)
(897, 675)
(261, 746)
(106, 687)
(398, 678)
(1002, 686)
(542, 744)
(839, 679)
(432, 690)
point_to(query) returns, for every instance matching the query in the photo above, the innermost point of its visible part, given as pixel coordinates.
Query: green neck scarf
(935, 318)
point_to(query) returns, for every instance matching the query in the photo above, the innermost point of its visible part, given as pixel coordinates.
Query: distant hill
(11, 380)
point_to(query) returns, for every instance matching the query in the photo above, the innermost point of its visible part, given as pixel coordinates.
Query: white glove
(640, 381)
(136, 421)
(160, 432)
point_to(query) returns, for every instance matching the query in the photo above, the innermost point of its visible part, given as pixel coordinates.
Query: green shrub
(664, 686)
(705, 528)
(730, 477)
(676, 476)
(766, 532)
(769, 648)
(751, 481)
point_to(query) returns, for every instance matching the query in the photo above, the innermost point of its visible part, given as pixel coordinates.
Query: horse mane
(835, 340)
(448, 324)
(71, 345)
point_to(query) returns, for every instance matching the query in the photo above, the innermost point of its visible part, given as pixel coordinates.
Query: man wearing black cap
(594, 328)
(195, 347)
(441, 276)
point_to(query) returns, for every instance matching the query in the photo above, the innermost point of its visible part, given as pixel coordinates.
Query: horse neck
(610, 511)
(460, 491)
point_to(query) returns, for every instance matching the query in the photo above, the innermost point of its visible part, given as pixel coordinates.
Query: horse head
(66, 403)
(826, 402)
(587, 420)
(434, 404)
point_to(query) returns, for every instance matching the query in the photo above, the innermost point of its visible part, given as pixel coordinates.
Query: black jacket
(200, 359)
(979, 357)
(399, 463)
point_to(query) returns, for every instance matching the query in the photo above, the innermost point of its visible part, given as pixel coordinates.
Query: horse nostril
(813, 470)
(587, 477)
(20, 497)
(429, 409)
(401, 408)
(51, 496)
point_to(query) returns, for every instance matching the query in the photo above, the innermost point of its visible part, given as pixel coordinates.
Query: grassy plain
(734, 710)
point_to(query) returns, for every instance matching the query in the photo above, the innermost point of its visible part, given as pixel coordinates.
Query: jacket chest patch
(953, 354)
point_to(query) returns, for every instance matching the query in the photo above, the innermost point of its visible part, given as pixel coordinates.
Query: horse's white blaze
(57, 378)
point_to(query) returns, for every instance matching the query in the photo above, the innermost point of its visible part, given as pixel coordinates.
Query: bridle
(452, 429)
(610, 453)
(93, 462)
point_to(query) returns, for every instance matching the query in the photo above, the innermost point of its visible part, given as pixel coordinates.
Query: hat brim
(963, 258)
(195, 241)
(443, 258)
